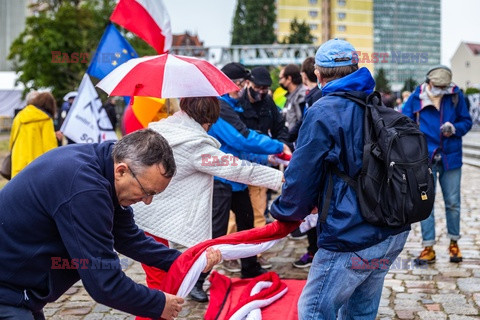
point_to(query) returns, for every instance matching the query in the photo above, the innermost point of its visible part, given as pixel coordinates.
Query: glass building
(407, 37)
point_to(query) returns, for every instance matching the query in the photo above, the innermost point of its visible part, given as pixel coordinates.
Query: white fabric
(229, 252)
(251, 310)
(309, 222)
(159, 14)
(112, 79)
(197, 86)
(87, 121)
(183, 212)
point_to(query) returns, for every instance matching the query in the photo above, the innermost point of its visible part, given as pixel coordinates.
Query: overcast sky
(212, 21)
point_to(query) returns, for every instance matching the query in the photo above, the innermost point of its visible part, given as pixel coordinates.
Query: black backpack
(395, 185)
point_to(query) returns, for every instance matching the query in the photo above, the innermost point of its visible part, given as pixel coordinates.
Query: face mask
(319, 85)
(283, 87)
(256, 96)
(435, 91)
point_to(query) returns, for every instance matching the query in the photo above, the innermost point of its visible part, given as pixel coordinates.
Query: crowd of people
(164, 184)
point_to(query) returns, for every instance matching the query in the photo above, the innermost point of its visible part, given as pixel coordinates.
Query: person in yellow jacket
(32, 132)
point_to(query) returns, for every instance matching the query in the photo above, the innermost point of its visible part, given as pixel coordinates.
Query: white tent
(10, 94)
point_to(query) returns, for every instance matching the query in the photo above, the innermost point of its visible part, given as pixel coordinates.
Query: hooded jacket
(183, 212)
(60, 221)
(431, 119)
(32, 135)
(331, 133)
(235, 138)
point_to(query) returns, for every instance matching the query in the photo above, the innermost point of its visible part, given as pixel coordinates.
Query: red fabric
(181, 266)
(226, 295)
(132, 16)
(245, 297)
(130, 121)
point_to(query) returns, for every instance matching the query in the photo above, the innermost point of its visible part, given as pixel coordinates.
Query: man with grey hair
(64, 216)
(344, 280)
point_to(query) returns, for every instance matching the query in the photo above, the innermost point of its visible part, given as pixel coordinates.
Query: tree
(253, 22)
(58, 42)
(409, 85)
(381, 81)
(299, 33)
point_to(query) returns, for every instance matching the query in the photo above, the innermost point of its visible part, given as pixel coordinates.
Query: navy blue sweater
(63, 208)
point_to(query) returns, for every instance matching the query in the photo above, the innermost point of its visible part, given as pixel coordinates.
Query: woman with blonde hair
(32, 132)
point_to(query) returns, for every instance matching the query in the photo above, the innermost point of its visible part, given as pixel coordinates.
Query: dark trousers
(312, 241)
(18, 313)
(224, 200)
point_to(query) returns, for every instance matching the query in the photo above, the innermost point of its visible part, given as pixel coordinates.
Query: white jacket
(183, 212)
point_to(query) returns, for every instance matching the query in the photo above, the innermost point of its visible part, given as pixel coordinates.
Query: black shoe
(253, 272)
(297, 235)
(198, 294)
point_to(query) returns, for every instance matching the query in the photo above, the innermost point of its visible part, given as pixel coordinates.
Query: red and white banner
(148, 19)
(186, 269)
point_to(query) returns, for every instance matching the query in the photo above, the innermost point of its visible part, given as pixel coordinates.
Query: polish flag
(148, 19)
(186, 269)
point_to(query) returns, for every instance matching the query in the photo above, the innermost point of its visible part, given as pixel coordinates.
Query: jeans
(18, 313)
(450, 183)
(336, 286)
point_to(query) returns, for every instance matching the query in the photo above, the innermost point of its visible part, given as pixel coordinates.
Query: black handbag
(6, 167)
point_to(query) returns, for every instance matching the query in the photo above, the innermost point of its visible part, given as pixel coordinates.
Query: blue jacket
(238, 140)
(63, 208)
(431, 119)
(331, 133)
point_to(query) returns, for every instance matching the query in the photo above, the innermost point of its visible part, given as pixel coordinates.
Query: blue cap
(336, 53)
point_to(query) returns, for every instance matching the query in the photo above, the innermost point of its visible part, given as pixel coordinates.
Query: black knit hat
(261, 76)
(235, 70)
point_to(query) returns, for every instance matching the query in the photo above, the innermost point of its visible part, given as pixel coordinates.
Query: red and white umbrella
(167, 76)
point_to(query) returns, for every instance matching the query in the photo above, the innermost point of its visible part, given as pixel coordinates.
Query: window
(341, 15)
(313, 13)
(341, 2)
(313, 1)
(341, 28)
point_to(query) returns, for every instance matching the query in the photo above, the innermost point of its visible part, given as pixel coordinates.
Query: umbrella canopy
(145, 110)
(167, 76)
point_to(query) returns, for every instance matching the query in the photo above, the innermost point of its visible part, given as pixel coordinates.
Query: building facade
(408, 32)
(351, 20)
(466, 65)
(400, 36)
(12, 23)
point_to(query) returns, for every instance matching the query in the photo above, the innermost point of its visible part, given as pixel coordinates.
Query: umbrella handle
(138, 86)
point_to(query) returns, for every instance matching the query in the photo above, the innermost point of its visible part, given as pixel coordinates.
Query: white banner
(87, 120)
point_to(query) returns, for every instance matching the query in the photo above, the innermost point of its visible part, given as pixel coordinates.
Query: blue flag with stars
(112, 51)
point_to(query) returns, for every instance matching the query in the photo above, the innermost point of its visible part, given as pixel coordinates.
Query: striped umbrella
(167, 76)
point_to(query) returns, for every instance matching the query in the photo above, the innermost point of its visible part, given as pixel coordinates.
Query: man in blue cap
(347, 272)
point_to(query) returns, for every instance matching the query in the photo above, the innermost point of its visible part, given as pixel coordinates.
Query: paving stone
(94, 316)
(402, 314)
(432, 315)
(433, 307)
(469, 285)
(460, 308)
(461, 317)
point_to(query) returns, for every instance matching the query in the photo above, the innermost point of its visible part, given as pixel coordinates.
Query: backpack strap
(328, 196)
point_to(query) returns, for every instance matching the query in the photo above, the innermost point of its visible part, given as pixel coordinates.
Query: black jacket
(263, 117)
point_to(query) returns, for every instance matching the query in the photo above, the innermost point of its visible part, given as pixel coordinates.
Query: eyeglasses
(147, 194)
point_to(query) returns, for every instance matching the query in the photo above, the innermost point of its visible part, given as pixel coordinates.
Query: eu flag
(112, 51)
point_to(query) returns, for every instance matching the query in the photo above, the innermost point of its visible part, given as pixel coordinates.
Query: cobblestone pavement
(441, 291)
